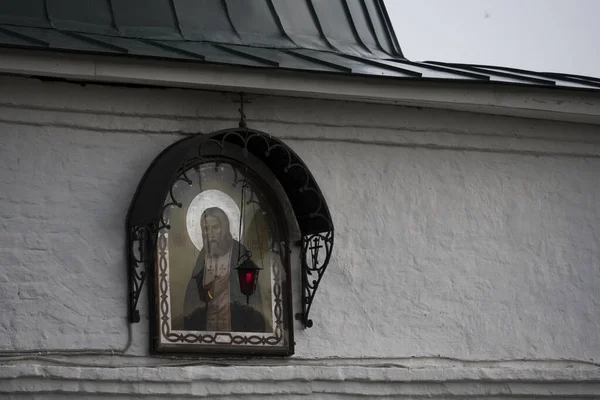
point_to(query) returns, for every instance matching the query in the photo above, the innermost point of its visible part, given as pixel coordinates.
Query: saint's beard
(217, 248)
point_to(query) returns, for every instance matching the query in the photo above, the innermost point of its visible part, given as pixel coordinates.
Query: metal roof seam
(556, 76)
(247, 55)
(319, 61)
(476, 68)
(583, 81)
(47, 14)
(443, 69)
(176, 18)
(173, 49)
(228, 15)
(26, 38)
(591, 78)
(353, 26)
(389, 28)
(318, 24)
(514, 76)
(93, 41)
(382, 65)
(371, 25)
(112, 15)
(278, 21)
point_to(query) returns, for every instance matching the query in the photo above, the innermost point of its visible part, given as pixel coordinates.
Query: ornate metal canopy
(307, 201)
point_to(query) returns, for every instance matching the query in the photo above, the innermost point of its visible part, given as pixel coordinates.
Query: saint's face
(212, 227)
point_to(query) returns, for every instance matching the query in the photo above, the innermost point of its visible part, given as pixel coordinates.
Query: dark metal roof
(334, 36)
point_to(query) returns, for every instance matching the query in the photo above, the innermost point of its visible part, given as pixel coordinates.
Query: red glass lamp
(248, 275)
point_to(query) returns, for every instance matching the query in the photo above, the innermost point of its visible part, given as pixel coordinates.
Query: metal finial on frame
(243, 123)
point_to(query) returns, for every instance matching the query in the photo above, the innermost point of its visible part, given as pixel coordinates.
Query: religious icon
(222, 279)
(213, 300)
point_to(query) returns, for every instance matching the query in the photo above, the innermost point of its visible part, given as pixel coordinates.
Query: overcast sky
(540, 35)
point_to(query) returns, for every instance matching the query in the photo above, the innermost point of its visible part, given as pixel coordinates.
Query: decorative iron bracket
(139, 244)
(314, 264)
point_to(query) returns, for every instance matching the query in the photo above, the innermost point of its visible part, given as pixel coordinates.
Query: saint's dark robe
(244, 317)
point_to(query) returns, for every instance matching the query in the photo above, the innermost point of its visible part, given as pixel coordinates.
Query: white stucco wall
(467, 256)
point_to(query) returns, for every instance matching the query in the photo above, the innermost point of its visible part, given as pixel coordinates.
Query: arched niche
(233, 170)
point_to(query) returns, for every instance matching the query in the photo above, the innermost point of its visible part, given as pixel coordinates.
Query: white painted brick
(477, 252)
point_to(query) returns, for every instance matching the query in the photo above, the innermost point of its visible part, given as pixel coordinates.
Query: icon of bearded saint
(213, 300)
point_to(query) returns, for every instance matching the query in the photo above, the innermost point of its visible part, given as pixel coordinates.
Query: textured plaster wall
(467, 257)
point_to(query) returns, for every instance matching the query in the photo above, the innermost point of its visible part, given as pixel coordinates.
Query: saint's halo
(206, 199)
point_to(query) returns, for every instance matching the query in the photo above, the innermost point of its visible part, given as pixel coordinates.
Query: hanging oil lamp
(246, 268)
(248, 276)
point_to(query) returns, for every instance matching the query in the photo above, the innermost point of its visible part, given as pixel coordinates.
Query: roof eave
(543, 102)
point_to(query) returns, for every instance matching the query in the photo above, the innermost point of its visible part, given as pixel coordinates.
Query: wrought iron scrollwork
(139, 246)
(314, 264)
